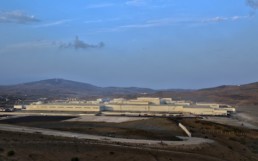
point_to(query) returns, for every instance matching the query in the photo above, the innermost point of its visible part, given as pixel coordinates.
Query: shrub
(11, 153)
(75, 159)
(230, 147)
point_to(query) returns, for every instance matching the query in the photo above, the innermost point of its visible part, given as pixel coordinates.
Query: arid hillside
(238, 95)
(59, 88)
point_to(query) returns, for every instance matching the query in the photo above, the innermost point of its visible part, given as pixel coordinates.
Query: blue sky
(145, 43)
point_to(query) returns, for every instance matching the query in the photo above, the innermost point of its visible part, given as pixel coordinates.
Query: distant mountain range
(60, 88)
(246, 94)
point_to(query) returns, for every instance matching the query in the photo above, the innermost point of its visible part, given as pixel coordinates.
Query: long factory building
(141, 105)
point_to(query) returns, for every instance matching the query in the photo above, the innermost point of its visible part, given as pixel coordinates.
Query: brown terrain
(246, 94)
(235, 95)
(236, 143)
(35, 147)
(231, 143)
(152, 129)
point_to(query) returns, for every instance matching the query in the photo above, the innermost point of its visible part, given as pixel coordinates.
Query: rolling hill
(246, 94)
(59, 88)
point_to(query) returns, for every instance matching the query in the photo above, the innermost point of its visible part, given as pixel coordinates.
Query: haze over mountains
(66, 88)
(246, 94)
(60, 88)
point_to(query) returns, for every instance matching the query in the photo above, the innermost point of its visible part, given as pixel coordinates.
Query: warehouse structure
(64, 107)
(146, 105)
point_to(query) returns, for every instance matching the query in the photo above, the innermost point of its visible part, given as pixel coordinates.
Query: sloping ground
(248, 114)
(36, 147)
(152, 129)
(111, 119)
(236, 95)
(239, 140)
(60, 88)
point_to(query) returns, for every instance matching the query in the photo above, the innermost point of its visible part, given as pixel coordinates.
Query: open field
(28, 119)
(231, 142)
(245, 117)
(248, 113)
(239, 140)
(233, 121)
(113, 119)
(154, 128)
(37, 147)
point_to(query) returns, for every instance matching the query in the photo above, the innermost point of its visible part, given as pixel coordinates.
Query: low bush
(10, 153)
(75, 159)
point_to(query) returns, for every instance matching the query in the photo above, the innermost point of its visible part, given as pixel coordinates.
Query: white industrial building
(139, 105)
(64, 107)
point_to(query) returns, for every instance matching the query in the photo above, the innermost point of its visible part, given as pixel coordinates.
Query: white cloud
(145, 25)
(55, 23)
(79, 44)
(27, 46)
(100, 5)
(223, 19)
(19, 17)
(43, 45)
(102, 20)
(174, 21)
(215, 19)
(94, 21)
(135, 2)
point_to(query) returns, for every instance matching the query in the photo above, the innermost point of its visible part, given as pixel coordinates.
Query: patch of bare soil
(152, 129)
(36, 147)
(112, 119)
(236, 142)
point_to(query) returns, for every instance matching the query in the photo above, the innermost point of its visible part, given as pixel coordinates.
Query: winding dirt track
(186, 140)
(108, 140)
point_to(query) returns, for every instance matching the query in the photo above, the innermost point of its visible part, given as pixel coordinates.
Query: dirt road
(186, 140)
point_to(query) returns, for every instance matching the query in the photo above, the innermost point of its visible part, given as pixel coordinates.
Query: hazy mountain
(243, 94)
(59, 88)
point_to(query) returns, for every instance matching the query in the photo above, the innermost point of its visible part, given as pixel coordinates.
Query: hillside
(60, 88)
(241, 95)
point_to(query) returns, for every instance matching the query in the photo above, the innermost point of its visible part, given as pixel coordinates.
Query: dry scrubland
(248, 113)
(232, 143)
(242, 142)
(34, 147)
(156, 128)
